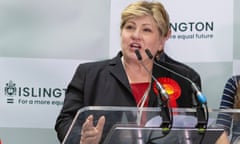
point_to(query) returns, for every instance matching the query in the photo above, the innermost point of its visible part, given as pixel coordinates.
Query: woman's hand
(91, 134)
(223, 139)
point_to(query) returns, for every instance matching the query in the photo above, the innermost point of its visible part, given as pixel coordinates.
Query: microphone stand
(166, 113)
(201, 110)
(166, 120)
(202, 121)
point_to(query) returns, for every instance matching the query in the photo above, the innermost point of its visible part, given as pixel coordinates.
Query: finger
(90, 121)
(91, 140)
(87, 124)
(95, 136)
(91, 130)
(90, 118)
(101, 123)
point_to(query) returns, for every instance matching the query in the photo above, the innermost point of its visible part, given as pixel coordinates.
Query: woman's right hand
(91, 134)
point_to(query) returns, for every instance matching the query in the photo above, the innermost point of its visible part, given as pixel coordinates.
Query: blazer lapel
(117, 70)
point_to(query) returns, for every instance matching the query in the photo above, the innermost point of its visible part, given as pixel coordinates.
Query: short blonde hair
(145, 8)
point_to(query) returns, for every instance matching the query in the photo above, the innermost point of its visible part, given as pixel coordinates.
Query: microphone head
(149, 54)
(139, 57)
(201, 98)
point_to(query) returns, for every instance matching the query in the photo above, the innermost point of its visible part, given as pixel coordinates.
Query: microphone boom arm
(163, 99)
(201, 109)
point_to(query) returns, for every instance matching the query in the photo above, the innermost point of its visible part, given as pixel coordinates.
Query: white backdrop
(42, 42)
(192, 48)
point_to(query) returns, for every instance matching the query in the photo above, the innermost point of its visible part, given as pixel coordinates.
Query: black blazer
(105, 83)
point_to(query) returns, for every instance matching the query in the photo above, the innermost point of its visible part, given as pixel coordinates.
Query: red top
(138, 90)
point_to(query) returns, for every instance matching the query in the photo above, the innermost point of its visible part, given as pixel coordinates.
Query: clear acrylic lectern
(130, 125)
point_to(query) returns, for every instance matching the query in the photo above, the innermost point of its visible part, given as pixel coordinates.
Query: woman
(122, 81)
(230, 99)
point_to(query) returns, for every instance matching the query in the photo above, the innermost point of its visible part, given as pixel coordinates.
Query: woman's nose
(136, 34)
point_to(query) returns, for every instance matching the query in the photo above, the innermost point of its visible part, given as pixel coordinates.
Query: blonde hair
(145, 8)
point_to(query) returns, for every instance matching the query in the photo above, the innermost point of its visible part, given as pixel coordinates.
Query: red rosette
(172, 88)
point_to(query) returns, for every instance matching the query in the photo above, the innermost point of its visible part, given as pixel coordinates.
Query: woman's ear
(164, 39)
(168, 34)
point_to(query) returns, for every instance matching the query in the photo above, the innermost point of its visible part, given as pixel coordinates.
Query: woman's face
(140, 33)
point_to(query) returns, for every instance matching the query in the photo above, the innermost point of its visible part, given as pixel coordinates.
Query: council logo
(10, 91)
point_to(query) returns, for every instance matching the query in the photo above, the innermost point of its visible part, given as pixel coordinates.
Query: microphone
(201, 113)
(201, 98)
(159, 86)
(163, 98)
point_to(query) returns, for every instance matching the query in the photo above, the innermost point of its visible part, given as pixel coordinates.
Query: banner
(199, 33)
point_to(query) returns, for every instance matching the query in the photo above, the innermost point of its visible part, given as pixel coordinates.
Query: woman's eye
(129, 27)
(147, 30)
